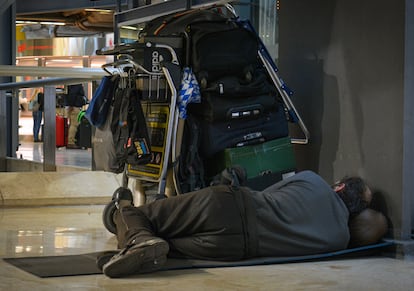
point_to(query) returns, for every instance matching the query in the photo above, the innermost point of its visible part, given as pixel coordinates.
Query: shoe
(73, 147)
(146, 257)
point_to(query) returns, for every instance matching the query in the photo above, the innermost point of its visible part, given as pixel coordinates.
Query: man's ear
(339, 187)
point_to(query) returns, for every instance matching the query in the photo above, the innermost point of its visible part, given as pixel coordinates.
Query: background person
(300, 215)
(75, 99)
(37, 107)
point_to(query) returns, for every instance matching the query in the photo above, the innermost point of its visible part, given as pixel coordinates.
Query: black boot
(147, 256)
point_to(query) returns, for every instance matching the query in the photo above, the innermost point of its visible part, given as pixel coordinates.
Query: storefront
(62, 52)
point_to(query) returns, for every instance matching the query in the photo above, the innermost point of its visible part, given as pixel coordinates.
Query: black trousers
(213, 223)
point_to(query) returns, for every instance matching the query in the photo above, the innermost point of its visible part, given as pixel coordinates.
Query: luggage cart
(163, 120)
(159, 89)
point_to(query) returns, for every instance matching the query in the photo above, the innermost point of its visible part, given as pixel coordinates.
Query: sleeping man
(300, 215)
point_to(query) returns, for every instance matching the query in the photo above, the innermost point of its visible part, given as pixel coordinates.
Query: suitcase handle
(244, 111)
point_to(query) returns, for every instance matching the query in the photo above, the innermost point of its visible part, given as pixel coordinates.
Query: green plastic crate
(275, 156)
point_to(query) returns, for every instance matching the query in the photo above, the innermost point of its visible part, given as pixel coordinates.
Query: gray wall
(344, 59)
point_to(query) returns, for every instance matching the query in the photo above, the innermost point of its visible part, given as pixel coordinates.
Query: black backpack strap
(123, 127)
(139, 150)
(193, 163)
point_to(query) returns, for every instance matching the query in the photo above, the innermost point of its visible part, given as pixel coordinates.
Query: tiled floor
(32, 151)
(42, 231)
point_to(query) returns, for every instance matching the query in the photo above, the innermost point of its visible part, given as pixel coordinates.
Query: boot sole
(141, 260)
(104, 258)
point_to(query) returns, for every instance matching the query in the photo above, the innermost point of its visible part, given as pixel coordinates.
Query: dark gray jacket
(300, 215)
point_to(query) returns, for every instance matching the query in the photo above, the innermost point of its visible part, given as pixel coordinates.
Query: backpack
(129, 130)
(97, 111)
(177, 22)
(190, 165)
(216, 44)
(80, 100)
(75, 96)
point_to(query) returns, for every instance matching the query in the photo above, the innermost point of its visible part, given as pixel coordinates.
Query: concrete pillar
(350, 64)
(408, 130)
(9, 111)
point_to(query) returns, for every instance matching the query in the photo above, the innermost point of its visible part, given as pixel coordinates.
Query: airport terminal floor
(67, 230)
(32, 151)
(38, 230)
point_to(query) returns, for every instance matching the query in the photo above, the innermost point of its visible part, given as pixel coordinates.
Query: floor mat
(57, 266)
(84, 264)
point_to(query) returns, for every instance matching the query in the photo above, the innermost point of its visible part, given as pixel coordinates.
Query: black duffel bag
(232, 97)
(216, 136)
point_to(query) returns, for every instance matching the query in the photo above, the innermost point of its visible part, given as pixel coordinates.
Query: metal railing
(9, 106)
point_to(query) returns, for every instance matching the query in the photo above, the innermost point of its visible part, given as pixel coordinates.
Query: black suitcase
(84, 134)
(217, 136)
(214, 109)
(232, 97)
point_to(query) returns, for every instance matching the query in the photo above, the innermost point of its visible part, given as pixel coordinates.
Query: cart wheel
(107, 217)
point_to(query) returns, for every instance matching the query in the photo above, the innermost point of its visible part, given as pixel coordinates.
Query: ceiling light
(52, 23)
(20, 22)
(61, 60)
(98, 10)
(129, 27)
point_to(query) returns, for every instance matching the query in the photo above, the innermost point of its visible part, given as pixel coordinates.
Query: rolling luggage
(84, 134)
(61, 131)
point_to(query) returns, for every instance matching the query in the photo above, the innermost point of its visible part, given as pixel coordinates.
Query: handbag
(34, 104)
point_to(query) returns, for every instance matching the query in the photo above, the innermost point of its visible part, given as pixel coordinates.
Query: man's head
(355, 193)
(368, 227)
